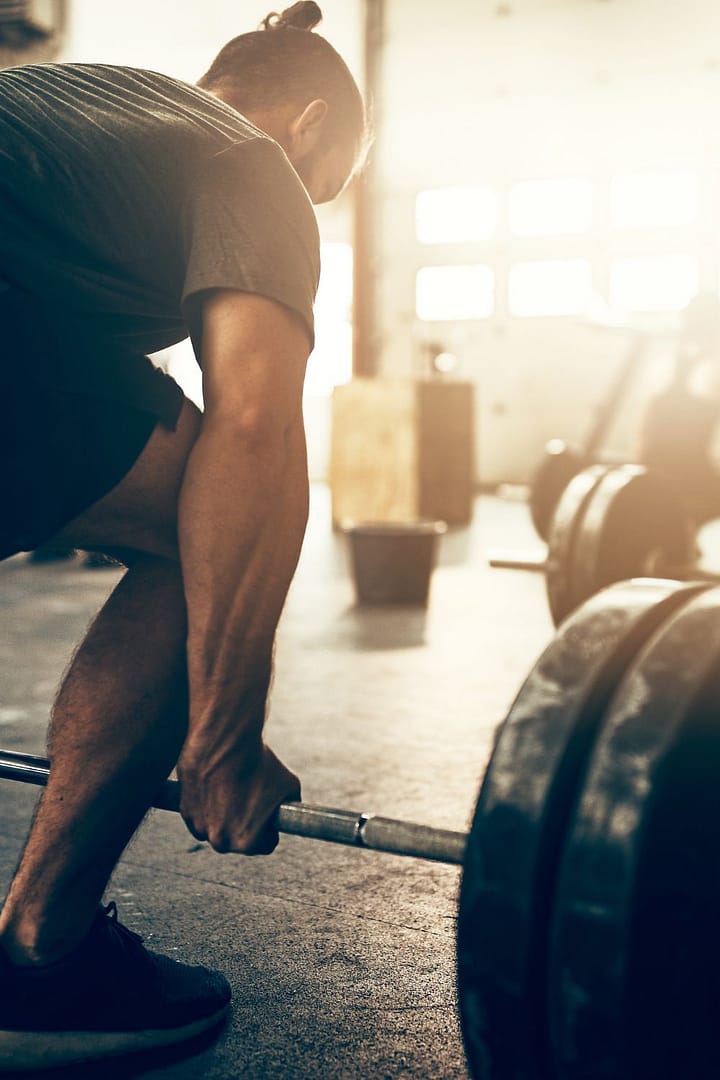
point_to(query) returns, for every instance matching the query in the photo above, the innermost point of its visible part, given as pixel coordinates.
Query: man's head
(293, 85)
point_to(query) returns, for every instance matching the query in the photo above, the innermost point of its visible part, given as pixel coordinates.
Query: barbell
(559, 463)
(587, 939)
(297, 818)
(612, 523)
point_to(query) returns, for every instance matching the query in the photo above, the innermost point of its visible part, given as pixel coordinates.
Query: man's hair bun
(303, 16)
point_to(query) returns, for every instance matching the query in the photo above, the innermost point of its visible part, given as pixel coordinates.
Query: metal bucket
(392, 562)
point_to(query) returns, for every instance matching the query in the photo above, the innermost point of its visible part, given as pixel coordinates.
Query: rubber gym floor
(342, 961)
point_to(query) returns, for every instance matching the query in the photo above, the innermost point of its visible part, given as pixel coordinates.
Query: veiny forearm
(243, 511)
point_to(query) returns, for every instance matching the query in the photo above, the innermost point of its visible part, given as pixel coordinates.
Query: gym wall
(499, 94)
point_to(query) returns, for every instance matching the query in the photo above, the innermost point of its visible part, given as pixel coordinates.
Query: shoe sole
(22, 1051)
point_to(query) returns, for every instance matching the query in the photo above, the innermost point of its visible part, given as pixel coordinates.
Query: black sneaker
(111, 996)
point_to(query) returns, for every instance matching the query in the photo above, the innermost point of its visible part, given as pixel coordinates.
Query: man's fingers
(262, 843)
(196, 830)
(265, 841)
(236, 816)
(241, 836)
(192, 815)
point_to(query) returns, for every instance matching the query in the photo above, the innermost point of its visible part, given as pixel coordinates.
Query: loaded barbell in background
(612, 523)
(587, 929)
(559, 463)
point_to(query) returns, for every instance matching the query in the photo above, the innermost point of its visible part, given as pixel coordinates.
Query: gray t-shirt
(124, 192)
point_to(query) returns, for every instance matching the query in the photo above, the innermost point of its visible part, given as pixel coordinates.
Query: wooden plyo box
(402, 449)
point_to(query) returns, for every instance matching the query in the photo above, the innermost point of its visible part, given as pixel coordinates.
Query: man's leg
(117, 728)
(75, 985)
(120, 718)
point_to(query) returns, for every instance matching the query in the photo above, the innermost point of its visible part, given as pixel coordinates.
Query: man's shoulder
(136, 79)
(75, 71)
(256, 171)
(125, 91)
(72, 72)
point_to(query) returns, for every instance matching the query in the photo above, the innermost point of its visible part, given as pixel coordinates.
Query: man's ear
(305, 130)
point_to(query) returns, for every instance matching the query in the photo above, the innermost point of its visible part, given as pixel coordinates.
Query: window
(653, 282)
(179, 361)
(455, 215)
(330, 363)
(654, 199)
(454, 292)
(553, 287)
(551, 207)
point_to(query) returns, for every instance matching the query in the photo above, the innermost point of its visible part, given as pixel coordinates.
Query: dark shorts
(76, 411)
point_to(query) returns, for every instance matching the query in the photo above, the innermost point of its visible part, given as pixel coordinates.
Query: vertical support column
(365, 215)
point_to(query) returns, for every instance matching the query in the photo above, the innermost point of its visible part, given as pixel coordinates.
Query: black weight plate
(632, 524)
(634, 965)
(558, 466)
(519, 823)
(567, 522)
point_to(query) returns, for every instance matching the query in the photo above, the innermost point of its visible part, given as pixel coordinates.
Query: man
(135, 209)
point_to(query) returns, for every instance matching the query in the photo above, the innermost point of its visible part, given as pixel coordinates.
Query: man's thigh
(140, 512)
(93, 439)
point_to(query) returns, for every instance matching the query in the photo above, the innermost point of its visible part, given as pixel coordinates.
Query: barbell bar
(335, 826)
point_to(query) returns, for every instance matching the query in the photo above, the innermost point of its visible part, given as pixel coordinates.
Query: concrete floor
(341, 961)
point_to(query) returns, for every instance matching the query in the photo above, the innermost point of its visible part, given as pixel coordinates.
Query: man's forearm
(243, 511)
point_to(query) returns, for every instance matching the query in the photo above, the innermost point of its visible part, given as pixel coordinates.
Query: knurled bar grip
(297, 818)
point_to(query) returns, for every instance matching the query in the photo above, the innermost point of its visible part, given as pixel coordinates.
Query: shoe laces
(127, 941)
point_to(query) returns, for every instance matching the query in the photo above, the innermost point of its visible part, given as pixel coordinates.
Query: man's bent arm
(243, 511)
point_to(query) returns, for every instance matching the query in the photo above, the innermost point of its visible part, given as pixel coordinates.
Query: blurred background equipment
(31, 31)
(679, 423)
(606, 522)
(402, 449)
(614, 523)
(562, 461)
(392, 562)
(559, 463)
